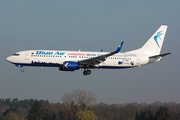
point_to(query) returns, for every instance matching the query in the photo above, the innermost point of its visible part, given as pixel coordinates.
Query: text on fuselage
(49, 53)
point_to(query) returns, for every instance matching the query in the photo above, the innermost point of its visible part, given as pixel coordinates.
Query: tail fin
(154, 44)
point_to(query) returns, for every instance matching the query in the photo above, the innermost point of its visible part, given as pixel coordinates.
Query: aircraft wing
(99, 59)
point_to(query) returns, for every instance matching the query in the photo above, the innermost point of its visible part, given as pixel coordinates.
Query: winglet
(101, 50)
(119, 48)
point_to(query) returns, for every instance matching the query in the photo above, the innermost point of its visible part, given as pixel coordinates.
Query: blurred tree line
(81, 105)
(19, 103)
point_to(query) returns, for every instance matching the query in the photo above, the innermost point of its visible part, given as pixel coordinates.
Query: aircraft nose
(9, 59)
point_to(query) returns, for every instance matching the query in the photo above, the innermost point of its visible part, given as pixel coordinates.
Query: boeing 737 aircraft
(75, 60)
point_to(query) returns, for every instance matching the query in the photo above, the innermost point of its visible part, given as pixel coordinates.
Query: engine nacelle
(70, 65)
(62, 69)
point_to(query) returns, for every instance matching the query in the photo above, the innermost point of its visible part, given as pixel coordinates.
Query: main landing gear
(86, 72)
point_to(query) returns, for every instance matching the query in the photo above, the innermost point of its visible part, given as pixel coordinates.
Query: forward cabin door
(27, 56)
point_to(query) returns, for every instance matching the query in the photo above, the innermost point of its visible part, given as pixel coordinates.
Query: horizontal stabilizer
(161, 55)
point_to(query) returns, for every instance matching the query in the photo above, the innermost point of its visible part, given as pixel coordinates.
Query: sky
(90, 26)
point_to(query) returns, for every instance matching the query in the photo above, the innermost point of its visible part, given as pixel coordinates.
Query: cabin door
(27, 56)
(138, 60)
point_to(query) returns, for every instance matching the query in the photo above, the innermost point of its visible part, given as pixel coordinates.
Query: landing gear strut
(86, 72)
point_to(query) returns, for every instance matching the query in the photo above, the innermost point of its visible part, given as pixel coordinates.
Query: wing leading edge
(99, 59)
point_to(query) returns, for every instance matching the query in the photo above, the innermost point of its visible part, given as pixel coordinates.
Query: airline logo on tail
(158, 36)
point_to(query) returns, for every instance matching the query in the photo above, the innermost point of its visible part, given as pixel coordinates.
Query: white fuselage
(55, 58)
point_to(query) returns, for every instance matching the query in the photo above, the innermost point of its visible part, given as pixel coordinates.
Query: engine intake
(70, 65)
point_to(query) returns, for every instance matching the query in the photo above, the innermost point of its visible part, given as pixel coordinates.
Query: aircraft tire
(88, 72)
(22, 70)
(85, 73)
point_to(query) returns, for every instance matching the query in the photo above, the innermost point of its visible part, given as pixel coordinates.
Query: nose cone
(9, 59)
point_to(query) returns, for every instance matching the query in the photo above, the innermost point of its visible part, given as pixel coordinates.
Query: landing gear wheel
(86, 72)
(22, 70)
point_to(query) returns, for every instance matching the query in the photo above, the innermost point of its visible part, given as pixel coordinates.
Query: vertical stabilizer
(154, 44)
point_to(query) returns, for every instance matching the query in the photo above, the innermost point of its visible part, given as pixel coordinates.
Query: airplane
(75, 60)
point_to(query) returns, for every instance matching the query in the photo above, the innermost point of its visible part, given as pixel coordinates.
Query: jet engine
(70, 65)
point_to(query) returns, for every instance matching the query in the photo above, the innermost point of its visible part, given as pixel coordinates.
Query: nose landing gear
(20, 66)
(86, 72)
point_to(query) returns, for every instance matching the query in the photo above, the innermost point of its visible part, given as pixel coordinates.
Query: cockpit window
(16, 54)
